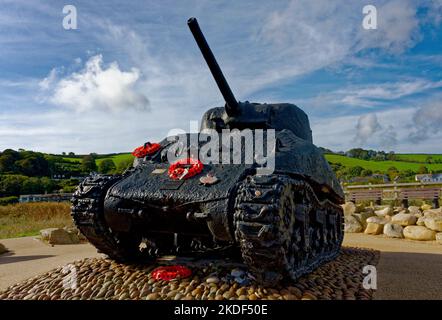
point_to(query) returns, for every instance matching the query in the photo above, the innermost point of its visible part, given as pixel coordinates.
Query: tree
(392, 172)
(355, 171)
(106, 166)
(11, 185)
(366, 173)
(88, 164)
(123, 165)
(422, 170)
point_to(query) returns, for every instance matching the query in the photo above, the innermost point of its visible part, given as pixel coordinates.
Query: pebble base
(211, 280)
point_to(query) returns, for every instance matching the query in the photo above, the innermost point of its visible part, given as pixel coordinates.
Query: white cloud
(366, 127)
(95, 87)
(427, 121)
(366, 95)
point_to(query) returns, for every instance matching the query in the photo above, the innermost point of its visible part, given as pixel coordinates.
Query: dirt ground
(406, 270)
(28, 257)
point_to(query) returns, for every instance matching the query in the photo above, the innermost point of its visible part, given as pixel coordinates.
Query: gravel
(99, 278)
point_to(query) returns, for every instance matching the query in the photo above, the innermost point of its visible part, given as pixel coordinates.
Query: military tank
(283, 224)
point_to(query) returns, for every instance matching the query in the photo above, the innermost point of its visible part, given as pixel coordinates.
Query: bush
(8, 200)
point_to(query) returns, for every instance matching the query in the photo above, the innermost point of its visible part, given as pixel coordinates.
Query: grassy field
(115, 158)
(422, 158)
(27, 219)
(380, 165)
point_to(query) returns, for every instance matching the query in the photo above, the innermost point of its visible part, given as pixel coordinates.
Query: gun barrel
(231, 102)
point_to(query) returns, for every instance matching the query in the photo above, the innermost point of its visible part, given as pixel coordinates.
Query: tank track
(87, 213)
(283, 229)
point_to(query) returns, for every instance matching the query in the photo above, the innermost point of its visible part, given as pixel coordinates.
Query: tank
(283, 223)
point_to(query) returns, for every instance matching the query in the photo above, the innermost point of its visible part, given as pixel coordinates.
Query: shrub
(8, 200)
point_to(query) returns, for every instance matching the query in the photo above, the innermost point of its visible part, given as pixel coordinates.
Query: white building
(437, 177)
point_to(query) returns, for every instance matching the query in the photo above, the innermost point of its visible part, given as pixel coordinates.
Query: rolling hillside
(115, 158)
(384, 165)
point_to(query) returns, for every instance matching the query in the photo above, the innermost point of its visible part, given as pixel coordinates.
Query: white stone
(383, 212)
(352, 225)
(421, 221)
(414, 209)
(349, 208)
(374, 228)
(404, 219)
(419, 233)
(439, 237)
(58, 236)
(426, 207)
(393, 230)
(434, 223)
(362, 217)
(432, 213)
(377, 220)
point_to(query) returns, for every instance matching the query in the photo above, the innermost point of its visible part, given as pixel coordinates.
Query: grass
(27, 219)
(379, 165)
(115, 158)
(422, 158)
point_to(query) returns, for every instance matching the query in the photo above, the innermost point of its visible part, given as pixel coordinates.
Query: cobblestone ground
(211, 279)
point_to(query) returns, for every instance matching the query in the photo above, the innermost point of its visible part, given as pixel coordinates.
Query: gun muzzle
(232, 106)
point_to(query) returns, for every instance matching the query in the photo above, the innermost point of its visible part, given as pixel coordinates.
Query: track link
(87, 213)
(283, 229)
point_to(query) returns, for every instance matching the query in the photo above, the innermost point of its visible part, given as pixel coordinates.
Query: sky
(131, 71)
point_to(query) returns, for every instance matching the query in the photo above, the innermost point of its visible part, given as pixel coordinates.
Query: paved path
(29, 257)
(407, 269)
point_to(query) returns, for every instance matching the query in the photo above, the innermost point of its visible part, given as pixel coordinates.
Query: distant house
(55, 197)
(382, 177)
(437, 177)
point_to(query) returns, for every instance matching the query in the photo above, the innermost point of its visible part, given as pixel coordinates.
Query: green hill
(115, 158)
(385, 165)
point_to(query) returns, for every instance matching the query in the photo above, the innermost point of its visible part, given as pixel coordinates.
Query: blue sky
(132, 71)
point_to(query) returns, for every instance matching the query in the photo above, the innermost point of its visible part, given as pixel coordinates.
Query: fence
(391, 191)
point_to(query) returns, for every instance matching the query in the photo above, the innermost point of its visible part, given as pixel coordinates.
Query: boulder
(420, 221)
(385, 211)
(377, 220)
(3, 249)
(434, 223)
(374, 228)
(419, 233)
(432, 213)
(393, 230)
(58, 236)
(362, 217)
(404, 219)
(352, 225)
(426, 207)
(349, 208)
(439, 237)
(75, 233)
(414, 210)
